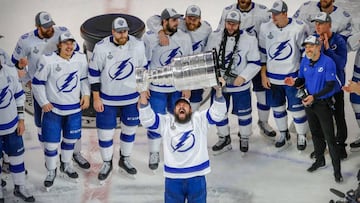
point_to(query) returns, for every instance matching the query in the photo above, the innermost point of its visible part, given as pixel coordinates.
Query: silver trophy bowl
(184, 73)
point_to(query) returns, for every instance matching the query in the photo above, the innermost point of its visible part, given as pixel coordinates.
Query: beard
(244, 5)
(169, 29)
(48, 33)
(325, 5)
(183, 120)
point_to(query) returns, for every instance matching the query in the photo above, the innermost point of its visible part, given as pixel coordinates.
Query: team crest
(36, 50)
(5, 97)
(167, 56)
(110, 56)
(67, 82)
(183, 142)
(121, 70)
(280, 51)
(58, 68)
(270, 36)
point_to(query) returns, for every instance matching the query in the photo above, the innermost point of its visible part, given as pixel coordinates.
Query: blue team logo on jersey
(237, 60)
(167, 56)
(197, 46)
(184, 142)
(67, 82)
(5, 97)
(121, 70)
(280, 51)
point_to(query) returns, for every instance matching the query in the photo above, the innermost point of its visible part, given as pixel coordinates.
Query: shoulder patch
(149, 32)
(296, 14)
(48, 54)
(262, 6)
(25, 36)
(346, 14)
(299, 22)
(217, 30)
(228, 7)
(307, 3)
(63, 29)
(100, 42)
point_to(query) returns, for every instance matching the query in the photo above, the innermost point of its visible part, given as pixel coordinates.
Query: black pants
(320, 119)
(339, 115)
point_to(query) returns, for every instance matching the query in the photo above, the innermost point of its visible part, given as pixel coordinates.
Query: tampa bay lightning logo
(121, 70)
(237, 60)
(5, 97)
(67, 82)
(197, 46)
(280, 51)
(167, 56)
(183, 142)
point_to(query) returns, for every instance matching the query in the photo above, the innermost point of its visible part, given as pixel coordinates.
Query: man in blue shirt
(318, 83)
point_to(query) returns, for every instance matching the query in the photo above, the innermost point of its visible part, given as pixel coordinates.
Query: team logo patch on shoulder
(25, 36)
(183, 142)
(48, 54)
(149, 32)
(18, 49)
(262, 6)
(346, 14)
(307, 3)
(63, 29)
(228, 7)
(299, 22)
(296, 15)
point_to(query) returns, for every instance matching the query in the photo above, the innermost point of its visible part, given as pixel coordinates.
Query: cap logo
(121, 22)
(67, 34)
(319, 15)
(173, 10)
(193, 9)
(233, 15)
(276, 4)
(46, 17)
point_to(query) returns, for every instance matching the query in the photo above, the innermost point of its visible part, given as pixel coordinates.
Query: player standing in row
(341, 20)
(12, 128)
(58, 83)
(280, 44)
(163, 97)
(334, 46)
(28, 50)
(239, 61)
(112, 79)
(199, 31)
(252, 16)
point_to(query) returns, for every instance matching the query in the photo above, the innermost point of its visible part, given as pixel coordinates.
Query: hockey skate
(355, 146)
(284, 141)
(244, 143)
(126, 167)
(21, 192)
(154, 159)
(67, 172)
(49, 180)
(81, 161)
(105, 171)
(301, 142)
(266, 130)
(223, 145)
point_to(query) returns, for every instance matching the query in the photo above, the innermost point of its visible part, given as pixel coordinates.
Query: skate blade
(283, 148)
(243, 154)
(48, 189)
(225, 149)
(126, 174)
(102, 182)
(66, 177)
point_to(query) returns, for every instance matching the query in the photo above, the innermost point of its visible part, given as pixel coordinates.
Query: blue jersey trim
(192, 169)
(9, 125)
(94, 73)
(36, 81)
(17, 95)
(281, 76)
(119, 98)
(67, 106)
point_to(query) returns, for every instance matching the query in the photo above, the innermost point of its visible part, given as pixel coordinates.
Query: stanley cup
(184, 73)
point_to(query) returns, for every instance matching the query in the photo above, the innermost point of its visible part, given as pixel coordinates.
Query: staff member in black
(318, 83)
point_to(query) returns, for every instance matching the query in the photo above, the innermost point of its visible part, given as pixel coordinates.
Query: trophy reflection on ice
(184, 73)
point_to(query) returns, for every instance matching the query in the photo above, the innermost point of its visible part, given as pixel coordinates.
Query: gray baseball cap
(279, 7)
(169, 13)
(65, 37)
(311, 40)
(233, 16)
(193, 10)
(43, 19)
(322, 17)
(119, 24)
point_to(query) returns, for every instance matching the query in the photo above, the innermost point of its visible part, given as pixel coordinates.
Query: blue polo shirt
(316, 76)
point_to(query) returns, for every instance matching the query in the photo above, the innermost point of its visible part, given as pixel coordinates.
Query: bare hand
(47, 107)
(85, 102)
(20, 127)
(265, 82)
(144, 97)
(163, 38)
(98, 105)
(326, 42)
(289, 81)
(308, 100)
(186, 94)
(238, 81)
(352, 87)
(23, 62)
(222, 82)
(21, 73)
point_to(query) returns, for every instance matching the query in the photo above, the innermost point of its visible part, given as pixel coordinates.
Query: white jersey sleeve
(39, 81)
(5, 58)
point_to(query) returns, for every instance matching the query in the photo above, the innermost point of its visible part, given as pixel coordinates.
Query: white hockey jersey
(281, 49)
(158, 56)
(250, 20)
(59, 81)
(113, 66)
(341, 21)
(185, 145)
(32, 47)
(5, 58)
(246, 62)
(198, 37)
(11, 97)
(354, 45)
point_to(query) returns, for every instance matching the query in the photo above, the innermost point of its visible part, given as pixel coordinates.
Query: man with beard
(199, 32)
(184, 134)
(341, 20)
(280, 44)
(252, 16)
(317, 75)
(164, 96)
(58, 83)
(112, 79)
(239, 60)
(26, 55)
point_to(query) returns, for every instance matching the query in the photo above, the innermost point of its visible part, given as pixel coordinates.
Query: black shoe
(50, 178)
(355, 144)
(105, 170)
(154, 159)
(266, 129)
(284, 137)
(126, 165)
(301, 142)
(81, 161)
(21, 192)
(342, 151)
(244, 143)
(312, 155)
(68, 170)
(319, 163)
(338, 177)
(222, 144)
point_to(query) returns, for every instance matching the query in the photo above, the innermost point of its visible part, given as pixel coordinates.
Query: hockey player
(317, 75)
(199, 31)
(354, 44)
(28, 50)
(12, 127)
(335, 47)
(163, 97)
(341, 20)
(59, 81)
(113, 84)
(239, 60)
(280, 44)
(252, 16)
(184, 134)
